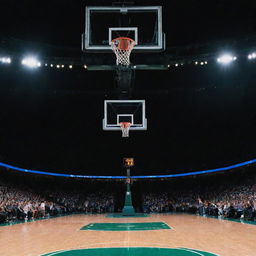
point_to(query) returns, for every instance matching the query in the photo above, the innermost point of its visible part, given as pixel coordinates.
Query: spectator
(23, 203)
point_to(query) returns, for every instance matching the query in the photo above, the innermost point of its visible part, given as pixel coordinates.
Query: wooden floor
(224, 238)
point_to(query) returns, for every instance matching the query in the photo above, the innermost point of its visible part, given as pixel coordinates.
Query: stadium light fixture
(70, 66)
(31, 62)
(226, 59)
(252, 56)
(5, 60)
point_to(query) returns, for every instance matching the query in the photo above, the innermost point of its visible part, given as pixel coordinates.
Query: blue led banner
(135, 177)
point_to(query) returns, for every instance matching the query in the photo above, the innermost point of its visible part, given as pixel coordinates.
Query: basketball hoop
(125, 126)
(122, 47)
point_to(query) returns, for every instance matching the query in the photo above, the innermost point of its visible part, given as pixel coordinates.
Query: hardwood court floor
(221, 237)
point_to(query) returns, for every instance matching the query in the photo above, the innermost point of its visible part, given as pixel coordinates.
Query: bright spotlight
(85, 66)
(70, 66)
(252, 56)
(226, 59)
(31, 62)
(5, 60)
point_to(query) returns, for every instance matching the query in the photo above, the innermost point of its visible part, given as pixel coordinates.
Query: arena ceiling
(61, 22)
(198, 117)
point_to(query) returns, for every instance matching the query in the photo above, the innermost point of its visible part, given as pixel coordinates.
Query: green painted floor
(131, 251)
(126, 226)
(120, 215)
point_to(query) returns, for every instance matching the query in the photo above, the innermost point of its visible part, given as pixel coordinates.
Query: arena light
(31, 62)
(252, 56)
(70, 66)
(5, 60)
(226, 59)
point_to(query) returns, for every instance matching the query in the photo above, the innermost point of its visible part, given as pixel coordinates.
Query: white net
(125, 129)
(122, 48)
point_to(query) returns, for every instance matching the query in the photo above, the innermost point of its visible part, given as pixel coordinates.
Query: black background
(198, 117)
(61, 22)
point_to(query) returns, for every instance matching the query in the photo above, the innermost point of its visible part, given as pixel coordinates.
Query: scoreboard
(128, 162)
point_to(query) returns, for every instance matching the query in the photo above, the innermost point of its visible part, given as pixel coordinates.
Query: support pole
(128, 209)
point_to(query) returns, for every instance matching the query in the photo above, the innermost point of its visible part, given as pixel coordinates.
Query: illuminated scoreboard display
(128, 162)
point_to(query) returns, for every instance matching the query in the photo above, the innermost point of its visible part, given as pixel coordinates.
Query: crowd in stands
(23, 203)
(225, 200)
(229, 195)
(96, 202)
(17, 204)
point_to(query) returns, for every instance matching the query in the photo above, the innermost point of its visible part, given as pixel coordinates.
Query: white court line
(125, 242)
(168, 225)
(192, 249)
(54, 253)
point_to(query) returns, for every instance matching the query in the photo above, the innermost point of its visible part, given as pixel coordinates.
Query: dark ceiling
(61, 22)
(198, 117)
